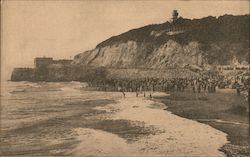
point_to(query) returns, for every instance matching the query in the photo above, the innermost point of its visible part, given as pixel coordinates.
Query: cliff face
(186, 42)
(133, 55)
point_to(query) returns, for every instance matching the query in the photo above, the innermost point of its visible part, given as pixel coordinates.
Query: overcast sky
(61, 29)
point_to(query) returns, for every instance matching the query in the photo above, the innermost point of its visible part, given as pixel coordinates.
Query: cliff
(198, 42)
(165, 50)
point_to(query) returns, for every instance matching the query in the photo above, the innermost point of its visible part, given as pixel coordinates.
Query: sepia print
(126, 78)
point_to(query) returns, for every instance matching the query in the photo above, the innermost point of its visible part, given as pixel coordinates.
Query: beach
(52, 119)
(174, 136)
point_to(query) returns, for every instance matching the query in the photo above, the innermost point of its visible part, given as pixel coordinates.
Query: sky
(64, 28)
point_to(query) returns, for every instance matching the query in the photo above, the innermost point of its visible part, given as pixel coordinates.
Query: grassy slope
(223, 105)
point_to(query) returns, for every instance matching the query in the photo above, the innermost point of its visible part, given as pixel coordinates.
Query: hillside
(199, 42)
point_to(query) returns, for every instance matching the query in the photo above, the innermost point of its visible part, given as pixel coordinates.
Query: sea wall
(23, 74)
(58, 73)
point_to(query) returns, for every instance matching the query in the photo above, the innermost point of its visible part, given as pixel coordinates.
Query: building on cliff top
(174, 16)
(62, 61)
(42, 62)
(174, 27)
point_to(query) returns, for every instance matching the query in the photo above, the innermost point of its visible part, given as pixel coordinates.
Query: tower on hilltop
(174, 15)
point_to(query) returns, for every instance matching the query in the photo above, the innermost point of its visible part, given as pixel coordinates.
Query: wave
(17, 91)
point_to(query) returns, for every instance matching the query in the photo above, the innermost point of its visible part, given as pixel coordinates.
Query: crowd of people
(207, 84)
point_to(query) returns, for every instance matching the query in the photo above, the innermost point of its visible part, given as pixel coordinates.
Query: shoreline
(136, 124)
(171, 135)
(235, 125)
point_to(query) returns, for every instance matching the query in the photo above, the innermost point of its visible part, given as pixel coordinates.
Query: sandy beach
(75, 122)
(172, 135)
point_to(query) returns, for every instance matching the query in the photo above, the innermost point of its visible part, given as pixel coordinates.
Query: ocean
(39, 118)
(54, 119)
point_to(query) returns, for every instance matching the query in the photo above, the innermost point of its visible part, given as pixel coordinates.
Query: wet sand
(58, 119)
(171, 135)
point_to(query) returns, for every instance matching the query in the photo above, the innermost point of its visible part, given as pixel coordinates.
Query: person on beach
(237, 88)
(124, 95)
(137, 92)
(150, 95)
(151, 90)
(121, 90)
(193, 85)
(198, 87)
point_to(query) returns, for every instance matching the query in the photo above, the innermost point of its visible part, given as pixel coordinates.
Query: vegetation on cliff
(184, 43)
(218, 41)
(205, 30)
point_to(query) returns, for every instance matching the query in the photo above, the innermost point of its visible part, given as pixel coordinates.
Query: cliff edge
(198, 42)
